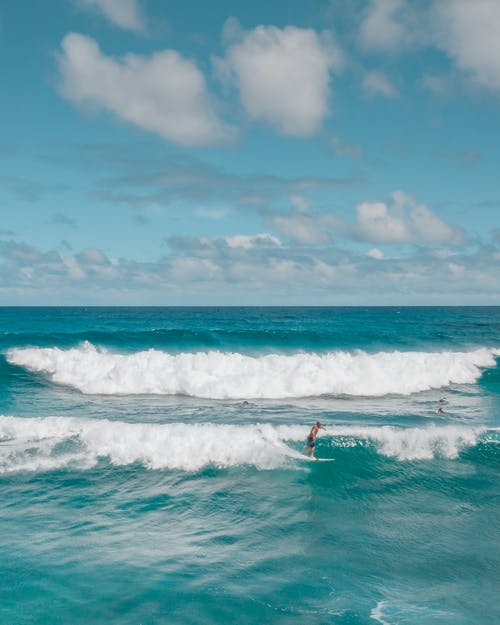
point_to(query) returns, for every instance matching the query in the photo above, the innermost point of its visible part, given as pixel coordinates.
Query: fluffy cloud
(469, 32)
(403, 221)
(123, 13)
(283, 75)
(382, 27)
(164, 93)
(377, 223)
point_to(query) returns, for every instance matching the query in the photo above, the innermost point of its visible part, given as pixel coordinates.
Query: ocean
(151, 466)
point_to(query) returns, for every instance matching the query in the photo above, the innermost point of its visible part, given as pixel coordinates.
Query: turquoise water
(151, 467)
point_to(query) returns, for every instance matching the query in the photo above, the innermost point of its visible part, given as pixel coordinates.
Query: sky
(168, 152)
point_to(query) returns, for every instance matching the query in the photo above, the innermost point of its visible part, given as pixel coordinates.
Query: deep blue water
(151, 466)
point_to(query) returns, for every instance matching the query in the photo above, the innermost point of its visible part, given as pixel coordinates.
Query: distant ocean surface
(151, 466)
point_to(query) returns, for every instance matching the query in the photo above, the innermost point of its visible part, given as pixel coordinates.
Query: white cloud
(251, 241)
(377, 83)
(382, 27)
(469, 32)
(376, 253)
(376, 222)
(164, 93)
(404, 221)
(430, 229)
(283, 75)
(125, 14)
(401, 221)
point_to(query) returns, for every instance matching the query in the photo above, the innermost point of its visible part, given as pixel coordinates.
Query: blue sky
(189, 153)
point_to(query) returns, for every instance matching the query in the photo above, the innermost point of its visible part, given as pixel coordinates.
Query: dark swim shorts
(311, 442)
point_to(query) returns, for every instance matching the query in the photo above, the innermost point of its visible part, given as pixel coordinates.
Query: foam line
(45, 443)
(222, 375)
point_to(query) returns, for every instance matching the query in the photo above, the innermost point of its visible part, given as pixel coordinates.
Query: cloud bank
(248, 269)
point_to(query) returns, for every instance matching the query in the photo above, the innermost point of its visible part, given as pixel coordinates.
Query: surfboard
(291, 453)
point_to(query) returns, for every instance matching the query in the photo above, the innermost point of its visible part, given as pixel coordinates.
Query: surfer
(311, 439)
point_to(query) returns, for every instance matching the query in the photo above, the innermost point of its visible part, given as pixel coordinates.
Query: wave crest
(222, 375)
(47, 443)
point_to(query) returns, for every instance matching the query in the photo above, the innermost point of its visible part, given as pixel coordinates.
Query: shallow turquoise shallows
(152, 467)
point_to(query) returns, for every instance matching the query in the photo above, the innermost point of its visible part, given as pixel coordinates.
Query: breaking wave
(47, 443)
(224, 375)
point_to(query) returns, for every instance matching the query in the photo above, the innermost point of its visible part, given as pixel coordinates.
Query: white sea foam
(395, 611)
(377, 613)
(45, 443)
(222, 375)
(34, 443)
(409, 443)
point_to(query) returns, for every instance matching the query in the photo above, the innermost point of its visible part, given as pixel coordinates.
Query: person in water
(311, 439)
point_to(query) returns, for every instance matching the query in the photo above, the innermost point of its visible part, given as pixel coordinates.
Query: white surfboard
(291, 453)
